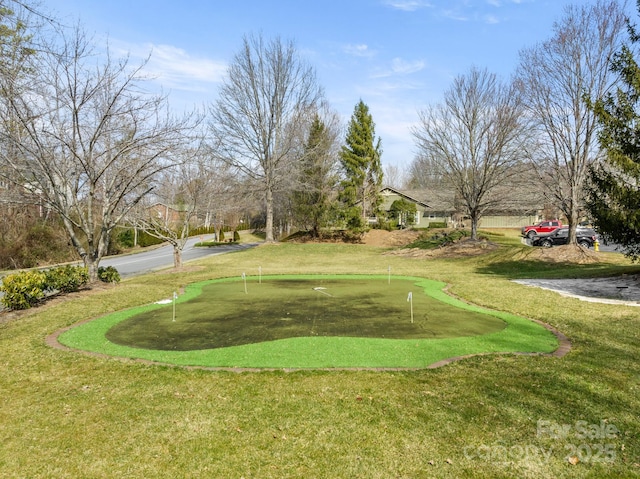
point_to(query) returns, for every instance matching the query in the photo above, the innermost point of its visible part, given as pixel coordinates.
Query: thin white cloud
(466, 11)
(500, 3)
(359, 50)
(408, 5)
(175, 68)
(181, 69)
(400, 67)
(455, 15)
(403, 67)
(491, 19)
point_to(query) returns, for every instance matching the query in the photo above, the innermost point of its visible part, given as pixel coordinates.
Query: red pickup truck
(541, 228)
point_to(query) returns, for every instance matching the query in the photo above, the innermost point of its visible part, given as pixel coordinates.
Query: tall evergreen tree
(313, 200)
(360, 159)
(613, 193)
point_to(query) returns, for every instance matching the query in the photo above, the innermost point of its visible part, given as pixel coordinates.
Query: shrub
(437, 224)
(203, 230)
(66, 279)
(221, 235)
(431, 240)
(236, 236)
(23, 290)
(145, 239)
(403, 211)
(126, 238)
(108, 274)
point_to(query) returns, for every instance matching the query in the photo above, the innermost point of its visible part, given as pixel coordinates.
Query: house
(424, 212)
(440, 207)
(167, 214)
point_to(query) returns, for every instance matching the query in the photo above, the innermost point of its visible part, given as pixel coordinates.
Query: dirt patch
(564, 254)
(383, 238)
(459, 249)
(380, 238)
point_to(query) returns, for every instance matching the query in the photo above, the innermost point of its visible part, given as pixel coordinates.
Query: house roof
(406, 195)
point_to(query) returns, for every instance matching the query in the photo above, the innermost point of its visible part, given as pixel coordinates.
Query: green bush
(145, 239)
(236, 236)
(23, 290)
(403, 211)
(203, 230)
(126, 238)
(437, 224)
(108, 274)
(66, 279)
(221, 235)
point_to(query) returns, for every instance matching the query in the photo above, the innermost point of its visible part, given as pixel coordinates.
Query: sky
(398, 56)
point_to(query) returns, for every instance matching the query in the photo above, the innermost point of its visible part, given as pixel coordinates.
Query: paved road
(162, 257)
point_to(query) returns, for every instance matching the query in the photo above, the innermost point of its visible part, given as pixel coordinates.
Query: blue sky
(398, 56)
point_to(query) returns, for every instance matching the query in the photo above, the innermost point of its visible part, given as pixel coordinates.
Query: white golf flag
(410, 297)
(175, 295)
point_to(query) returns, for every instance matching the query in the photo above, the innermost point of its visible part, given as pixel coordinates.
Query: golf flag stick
(410, 300)
(244, 278)
(175, 296)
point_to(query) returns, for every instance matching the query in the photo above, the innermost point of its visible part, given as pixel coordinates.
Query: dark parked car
(585, 236)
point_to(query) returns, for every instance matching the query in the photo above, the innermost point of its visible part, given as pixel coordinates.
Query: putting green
(309, 322)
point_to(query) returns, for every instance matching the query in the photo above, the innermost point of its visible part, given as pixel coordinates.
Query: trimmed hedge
(108, 274)
(66, 279)
(25, 289)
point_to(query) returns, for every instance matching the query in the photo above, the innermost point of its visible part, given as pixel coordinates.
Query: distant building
(169, 215)
(441, 207)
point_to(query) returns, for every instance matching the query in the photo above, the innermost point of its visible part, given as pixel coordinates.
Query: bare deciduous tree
(423, 174)
(90, 140)
(262, 107)
(171, 211)
(394, 176)
(474, 140)
(554, 77)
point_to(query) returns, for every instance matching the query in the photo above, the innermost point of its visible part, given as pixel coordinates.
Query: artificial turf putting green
(309, 321)
(225, 315)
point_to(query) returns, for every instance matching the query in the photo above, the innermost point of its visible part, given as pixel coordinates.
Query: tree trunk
(177, 256)
(474, 227)
(269, 225)
(91, 264)
(572, 217)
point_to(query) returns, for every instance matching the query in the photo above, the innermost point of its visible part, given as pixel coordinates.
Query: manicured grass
(66, 414)
(357, 321)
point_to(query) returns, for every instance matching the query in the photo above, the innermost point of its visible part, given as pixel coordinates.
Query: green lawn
(66, 414)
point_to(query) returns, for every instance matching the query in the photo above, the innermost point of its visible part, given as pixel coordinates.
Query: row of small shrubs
(437, 224)
(25, 289)
(128, 239)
